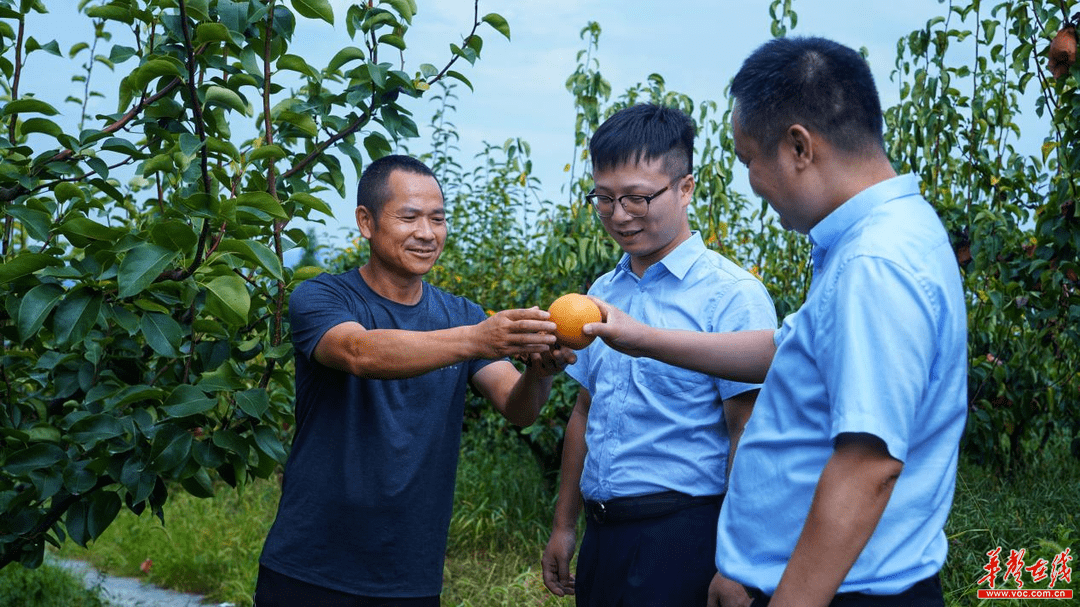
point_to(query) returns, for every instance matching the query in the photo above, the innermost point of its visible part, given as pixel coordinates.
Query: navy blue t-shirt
(369, 483)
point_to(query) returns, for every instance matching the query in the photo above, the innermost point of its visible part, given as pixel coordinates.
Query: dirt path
(130, 592)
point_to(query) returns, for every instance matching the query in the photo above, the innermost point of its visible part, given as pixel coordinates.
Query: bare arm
(742, 356)
(737, 410)
(398, 354)
(520, 396)
(560, 548)
(850, 497)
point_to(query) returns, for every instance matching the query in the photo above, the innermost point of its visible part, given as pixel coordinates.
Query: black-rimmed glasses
(635, 205)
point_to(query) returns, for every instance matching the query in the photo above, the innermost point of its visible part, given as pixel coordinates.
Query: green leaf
(141, 267)
(296, 63)
(228, 299)
(28, 106)
(65, 191)
(171, 448)
(81, 230)
(255, 252)
(50, 47)
(254, 402)
(459, 77)
(119, 54)
(160, 163)
(134, 394)
(393, 40)
(190, 144)
(174, 235)
(262, 201)
(269, 443)
(91, 430)
(153, 69)
(405, 8)
(267, 151)
(199, 484)
(33, 458)
(79, 47)
(75, 522)
(35, 308)
(377, 146)
(307, 200)
(198, 9)
(228, 98)
(231, 441)
(36, 222)
(498, 23)
(76, 315)
(187, 400)
(162, 333)
(315, 9)
(111, 12)
(104, 506)
(345, 55)
(302, 122)
(40, 125)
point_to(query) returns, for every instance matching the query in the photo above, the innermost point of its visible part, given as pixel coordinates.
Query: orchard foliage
(143, 295)
(965, 80)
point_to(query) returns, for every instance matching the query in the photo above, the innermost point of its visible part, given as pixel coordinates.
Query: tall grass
(501, 524)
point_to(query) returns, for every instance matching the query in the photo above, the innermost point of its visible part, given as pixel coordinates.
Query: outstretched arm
(398, 354)
(743, 356)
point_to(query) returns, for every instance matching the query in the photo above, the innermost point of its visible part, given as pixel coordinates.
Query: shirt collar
(828, 230)
(678, 261)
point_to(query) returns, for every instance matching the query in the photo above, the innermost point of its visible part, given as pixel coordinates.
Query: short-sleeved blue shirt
(369, 483)
(654, 427)
(879, 347)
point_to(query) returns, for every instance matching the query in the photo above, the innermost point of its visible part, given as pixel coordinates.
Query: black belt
(623, 509)
(924, 592)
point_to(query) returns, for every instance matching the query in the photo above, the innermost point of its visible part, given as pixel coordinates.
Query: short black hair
(645, 132)
(373, 190)
(820, 84)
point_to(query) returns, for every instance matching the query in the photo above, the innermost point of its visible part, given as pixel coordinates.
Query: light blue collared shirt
(654, 427)
(879, 347)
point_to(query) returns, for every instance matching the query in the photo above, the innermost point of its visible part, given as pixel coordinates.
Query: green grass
(1035, 510)
(501, 524)
(46, 586)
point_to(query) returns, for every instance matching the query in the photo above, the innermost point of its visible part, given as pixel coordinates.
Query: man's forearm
(743, 356)
(527, 397)
(568, 505)
(848, 503)
(397, 354)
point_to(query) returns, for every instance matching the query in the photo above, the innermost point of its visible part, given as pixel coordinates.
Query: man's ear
(686, 190)
(365, 221)
(802, 145)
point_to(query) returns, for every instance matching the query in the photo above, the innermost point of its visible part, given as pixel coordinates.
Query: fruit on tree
(1062, 52)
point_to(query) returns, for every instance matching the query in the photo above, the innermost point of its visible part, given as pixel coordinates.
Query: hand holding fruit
(514, 333)
(619, 330)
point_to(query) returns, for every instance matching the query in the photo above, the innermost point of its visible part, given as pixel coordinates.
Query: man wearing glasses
(648, 444)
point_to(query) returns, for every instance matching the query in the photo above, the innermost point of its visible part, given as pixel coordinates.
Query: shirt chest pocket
(664, 379)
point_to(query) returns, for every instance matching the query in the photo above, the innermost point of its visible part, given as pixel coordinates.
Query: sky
(519, 84)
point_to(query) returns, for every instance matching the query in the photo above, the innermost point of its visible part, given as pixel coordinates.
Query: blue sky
(696, 45)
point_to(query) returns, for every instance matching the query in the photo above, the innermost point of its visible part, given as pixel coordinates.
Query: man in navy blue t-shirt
(383, 360)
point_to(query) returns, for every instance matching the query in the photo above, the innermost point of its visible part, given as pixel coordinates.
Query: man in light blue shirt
(845, 473)
(648, 444)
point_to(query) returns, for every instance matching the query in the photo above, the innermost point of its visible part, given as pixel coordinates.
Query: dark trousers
(661, 561)
(276, 590)
(926, 593)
